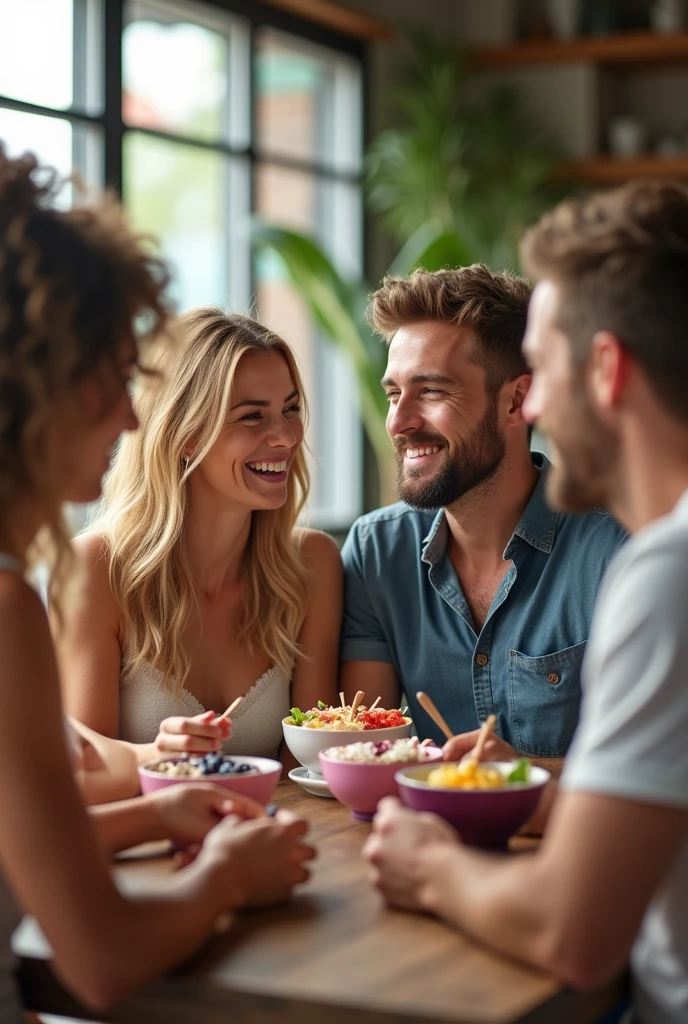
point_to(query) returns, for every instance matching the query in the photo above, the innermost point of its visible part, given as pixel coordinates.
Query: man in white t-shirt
(606, 343)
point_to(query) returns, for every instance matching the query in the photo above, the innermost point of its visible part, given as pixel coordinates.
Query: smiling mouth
(422, 451)
(272, 472)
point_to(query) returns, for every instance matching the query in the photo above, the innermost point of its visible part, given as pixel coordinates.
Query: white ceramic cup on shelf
(626, 136)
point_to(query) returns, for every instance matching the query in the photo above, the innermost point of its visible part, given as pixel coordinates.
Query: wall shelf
(619, 48)
(339, 18)
(607, 170)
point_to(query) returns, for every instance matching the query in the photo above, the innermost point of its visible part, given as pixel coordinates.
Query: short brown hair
(75, 286)
(493, 306)
(620, 259)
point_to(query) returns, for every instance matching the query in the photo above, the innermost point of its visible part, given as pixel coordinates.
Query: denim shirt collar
(537, 525)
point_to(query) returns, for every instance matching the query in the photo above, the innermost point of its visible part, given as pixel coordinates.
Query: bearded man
(606, 343)
(485, 604)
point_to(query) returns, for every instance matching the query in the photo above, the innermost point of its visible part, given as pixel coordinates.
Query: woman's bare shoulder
(92, 548)
(318, 548)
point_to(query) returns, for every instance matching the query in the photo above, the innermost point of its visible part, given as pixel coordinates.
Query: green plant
(478, 171)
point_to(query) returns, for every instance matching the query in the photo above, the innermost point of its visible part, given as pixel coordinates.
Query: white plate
(316, 786)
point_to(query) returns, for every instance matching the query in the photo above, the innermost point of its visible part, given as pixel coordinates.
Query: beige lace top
(256, 723)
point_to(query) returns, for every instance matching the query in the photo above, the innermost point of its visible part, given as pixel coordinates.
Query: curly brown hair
(75, 286)
(620, 261)
(494, 306)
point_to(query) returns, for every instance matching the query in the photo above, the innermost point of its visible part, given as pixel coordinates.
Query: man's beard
(587, 456)
(474, 463)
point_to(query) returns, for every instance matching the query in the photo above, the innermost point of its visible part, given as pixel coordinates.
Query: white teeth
(415, 453)
(268, 467)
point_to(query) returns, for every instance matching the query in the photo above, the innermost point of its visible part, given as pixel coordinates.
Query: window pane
(50, 53)
(307, 102)
(288, 198)
(55, 142)
(179, 194)
(302, 201)
(175, 73)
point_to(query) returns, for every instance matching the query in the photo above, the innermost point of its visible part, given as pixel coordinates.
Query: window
(51, 95)
(211, 114)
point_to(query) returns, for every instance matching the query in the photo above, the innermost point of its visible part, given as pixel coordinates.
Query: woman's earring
(187, 459)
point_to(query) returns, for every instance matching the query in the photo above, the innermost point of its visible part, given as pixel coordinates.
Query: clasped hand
(402, 849)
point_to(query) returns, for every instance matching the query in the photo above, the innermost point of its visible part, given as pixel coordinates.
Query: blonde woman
(200, 588)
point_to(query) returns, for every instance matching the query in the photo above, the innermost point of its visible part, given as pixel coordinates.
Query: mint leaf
(520, 772)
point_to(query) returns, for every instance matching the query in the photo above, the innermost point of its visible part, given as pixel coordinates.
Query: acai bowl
(306, 733)
(255, 777)
(360, 774)
(484, 814)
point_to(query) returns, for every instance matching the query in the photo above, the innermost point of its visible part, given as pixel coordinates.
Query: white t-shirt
(632, 741)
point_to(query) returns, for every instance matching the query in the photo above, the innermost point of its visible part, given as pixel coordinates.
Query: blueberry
(244, 768)
(225, 769)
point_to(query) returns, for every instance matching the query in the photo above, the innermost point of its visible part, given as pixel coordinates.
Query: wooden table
(335, 951)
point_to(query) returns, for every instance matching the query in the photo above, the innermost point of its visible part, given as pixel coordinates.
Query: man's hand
(402, 849)
(187, 813)
(495, 749)
(265, 857)
(198, 735)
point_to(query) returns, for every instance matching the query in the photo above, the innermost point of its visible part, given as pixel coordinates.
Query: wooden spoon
(485, 731)
(428, 705)
(232, 707)
(355, 703)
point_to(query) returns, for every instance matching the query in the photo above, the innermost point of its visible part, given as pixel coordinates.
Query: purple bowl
(361, 786)
(482, 817)
(258, 787)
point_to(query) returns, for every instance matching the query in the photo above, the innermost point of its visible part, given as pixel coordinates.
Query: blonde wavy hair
(75, 287)
(145, 497)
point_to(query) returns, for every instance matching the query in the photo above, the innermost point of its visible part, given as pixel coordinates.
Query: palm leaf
(337, 307)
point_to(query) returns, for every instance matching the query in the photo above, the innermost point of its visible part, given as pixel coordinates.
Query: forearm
(375, 678)
(127, 823)
(107, 768)
(504, 902)
(146, 935)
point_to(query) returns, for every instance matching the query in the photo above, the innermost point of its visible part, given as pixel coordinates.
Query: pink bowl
(482, 817)
(258, 787)
(361, 786)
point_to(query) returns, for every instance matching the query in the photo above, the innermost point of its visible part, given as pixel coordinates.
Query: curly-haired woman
(74, 288)
(200, 587)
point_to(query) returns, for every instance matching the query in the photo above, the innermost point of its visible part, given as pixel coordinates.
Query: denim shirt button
(553, 678)
(482, 659)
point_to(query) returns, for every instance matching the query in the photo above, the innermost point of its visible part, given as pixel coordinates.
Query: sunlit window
(51, 91)
(208, 144)
(217, 116)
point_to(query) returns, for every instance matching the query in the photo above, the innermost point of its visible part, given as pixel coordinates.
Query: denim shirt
(404, 605)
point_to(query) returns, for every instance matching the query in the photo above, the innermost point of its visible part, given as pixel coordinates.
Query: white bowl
(306, 744)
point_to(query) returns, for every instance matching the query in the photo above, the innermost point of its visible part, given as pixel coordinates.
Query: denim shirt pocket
(544, 700)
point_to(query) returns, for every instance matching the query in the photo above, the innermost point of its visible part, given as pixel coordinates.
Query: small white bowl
(306, 744)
